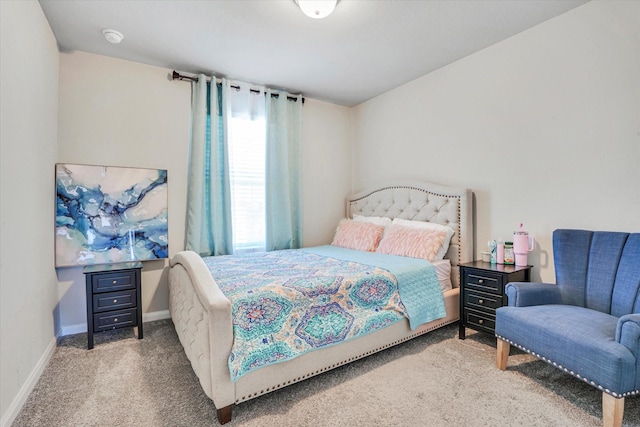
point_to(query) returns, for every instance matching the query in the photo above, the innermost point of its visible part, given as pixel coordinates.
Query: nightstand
(482, 292)
(114, 298)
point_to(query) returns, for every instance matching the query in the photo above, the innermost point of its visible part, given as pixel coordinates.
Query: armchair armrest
(524, 294)
(628, 333)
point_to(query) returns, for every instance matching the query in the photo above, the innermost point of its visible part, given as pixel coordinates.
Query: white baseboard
(82, 327)
(156, 315)
(26, 389)
(16, 405)
(73, 329)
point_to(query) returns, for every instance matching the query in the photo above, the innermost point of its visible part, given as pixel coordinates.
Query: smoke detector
(112, 36)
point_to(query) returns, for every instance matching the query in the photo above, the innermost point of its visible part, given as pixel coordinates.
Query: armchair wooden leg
(502, 354)
(612, 410)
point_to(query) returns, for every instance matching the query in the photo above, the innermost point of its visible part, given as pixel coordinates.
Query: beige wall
(122, 113)
(28, 150)
(544, 127)
(326, 170)
(559, 102)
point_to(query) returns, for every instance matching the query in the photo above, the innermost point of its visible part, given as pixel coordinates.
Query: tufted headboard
(423, 201)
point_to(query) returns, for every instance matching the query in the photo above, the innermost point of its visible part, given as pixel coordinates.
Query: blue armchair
(587, 325)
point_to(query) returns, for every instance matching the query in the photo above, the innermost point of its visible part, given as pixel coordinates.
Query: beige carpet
(434, 380)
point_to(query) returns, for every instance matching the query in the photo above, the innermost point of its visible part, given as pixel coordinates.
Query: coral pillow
(424, 225)
(412, 242)
(361, 236)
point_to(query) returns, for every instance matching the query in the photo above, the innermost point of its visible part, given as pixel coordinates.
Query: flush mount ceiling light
(112, 36)
(317, 8)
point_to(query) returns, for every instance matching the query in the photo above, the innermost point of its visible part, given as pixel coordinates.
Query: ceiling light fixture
(112, 36)
(317, 8)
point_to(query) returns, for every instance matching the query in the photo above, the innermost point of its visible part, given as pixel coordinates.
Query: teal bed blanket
(418, 284)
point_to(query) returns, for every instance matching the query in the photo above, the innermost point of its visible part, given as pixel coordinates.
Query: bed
(202, 314)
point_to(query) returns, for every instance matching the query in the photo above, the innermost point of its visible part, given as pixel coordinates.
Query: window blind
(247, 151)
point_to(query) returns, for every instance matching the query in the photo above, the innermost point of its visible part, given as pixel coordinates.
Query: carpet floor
(433, 380)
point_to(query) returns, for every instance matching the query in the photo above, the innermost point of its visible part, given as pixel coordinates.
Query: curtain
(208, 222)
(283, 172)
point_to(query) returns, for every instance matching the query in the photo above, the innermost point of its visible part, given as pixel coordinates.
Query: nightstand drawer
(117, 281)
(482, 292)
(114, 319)
(484, 280)
(114, 301)
(479, 320)
(481, 300)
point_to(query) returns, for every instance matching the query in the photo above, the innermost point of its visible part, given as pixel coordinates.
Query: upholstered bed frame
(202, 314)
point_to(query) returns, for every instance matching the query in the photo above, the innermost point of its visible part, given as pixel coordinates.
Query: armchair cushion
(628, 334)
(578, 340)
(523, 294)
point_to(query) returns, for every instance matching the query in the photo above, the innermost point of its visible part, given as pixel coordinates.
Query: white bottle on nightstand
(500, 252)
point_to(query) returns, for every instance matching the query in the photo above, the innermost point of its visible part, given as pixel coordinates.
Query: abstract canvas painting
(108, 214)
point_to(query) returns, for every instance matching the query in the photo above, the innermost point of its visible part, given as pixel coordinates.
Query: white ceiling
(365, 48)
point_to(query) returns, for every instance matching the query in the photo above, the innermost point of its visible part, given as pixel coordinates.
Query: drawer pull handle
(480, 281)
(115, 281)
(481, 321)
(115, 320)
(480, 301)
(115, 301)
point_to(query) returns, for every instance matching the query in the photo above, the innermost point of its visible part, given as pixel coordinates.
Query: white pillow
(377, 220)
(443, 271)
(429, 226)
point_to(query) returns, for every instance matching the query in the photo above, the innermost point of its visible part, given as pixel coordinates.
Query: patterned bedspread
(286, 303)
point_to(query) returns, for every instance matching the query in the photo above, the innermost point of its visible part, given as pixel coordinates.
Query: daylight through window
(247, 150)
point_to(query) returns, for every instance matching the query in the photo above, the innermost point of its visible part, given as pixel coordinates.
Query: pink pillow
(361, 236)
(412, 242)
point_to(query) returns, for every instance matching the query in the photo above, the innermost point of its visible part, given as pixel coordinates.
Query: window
(227, 207)
(247, 150)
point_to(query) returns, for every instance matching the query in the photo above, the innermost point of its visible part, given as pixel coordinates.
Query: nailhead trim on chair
(575, 374)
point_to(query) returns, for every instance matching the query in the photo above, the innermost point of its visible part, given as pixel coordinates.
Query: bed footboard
(202, 318)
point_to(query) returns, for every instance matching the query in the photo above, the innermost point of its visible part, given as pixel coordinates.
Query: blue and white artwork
(107, 214)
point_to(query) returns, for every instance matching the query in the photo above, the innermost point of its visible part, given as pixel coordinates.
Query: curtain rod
(177, 76)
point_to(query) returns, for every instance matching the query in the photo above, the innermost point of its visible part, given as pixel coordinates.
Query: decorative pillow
(361, 236)
(430, 226)
(412, 242)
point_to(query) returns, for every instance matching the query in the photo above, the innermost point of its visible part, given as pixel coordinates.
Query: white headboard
(423, 201)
